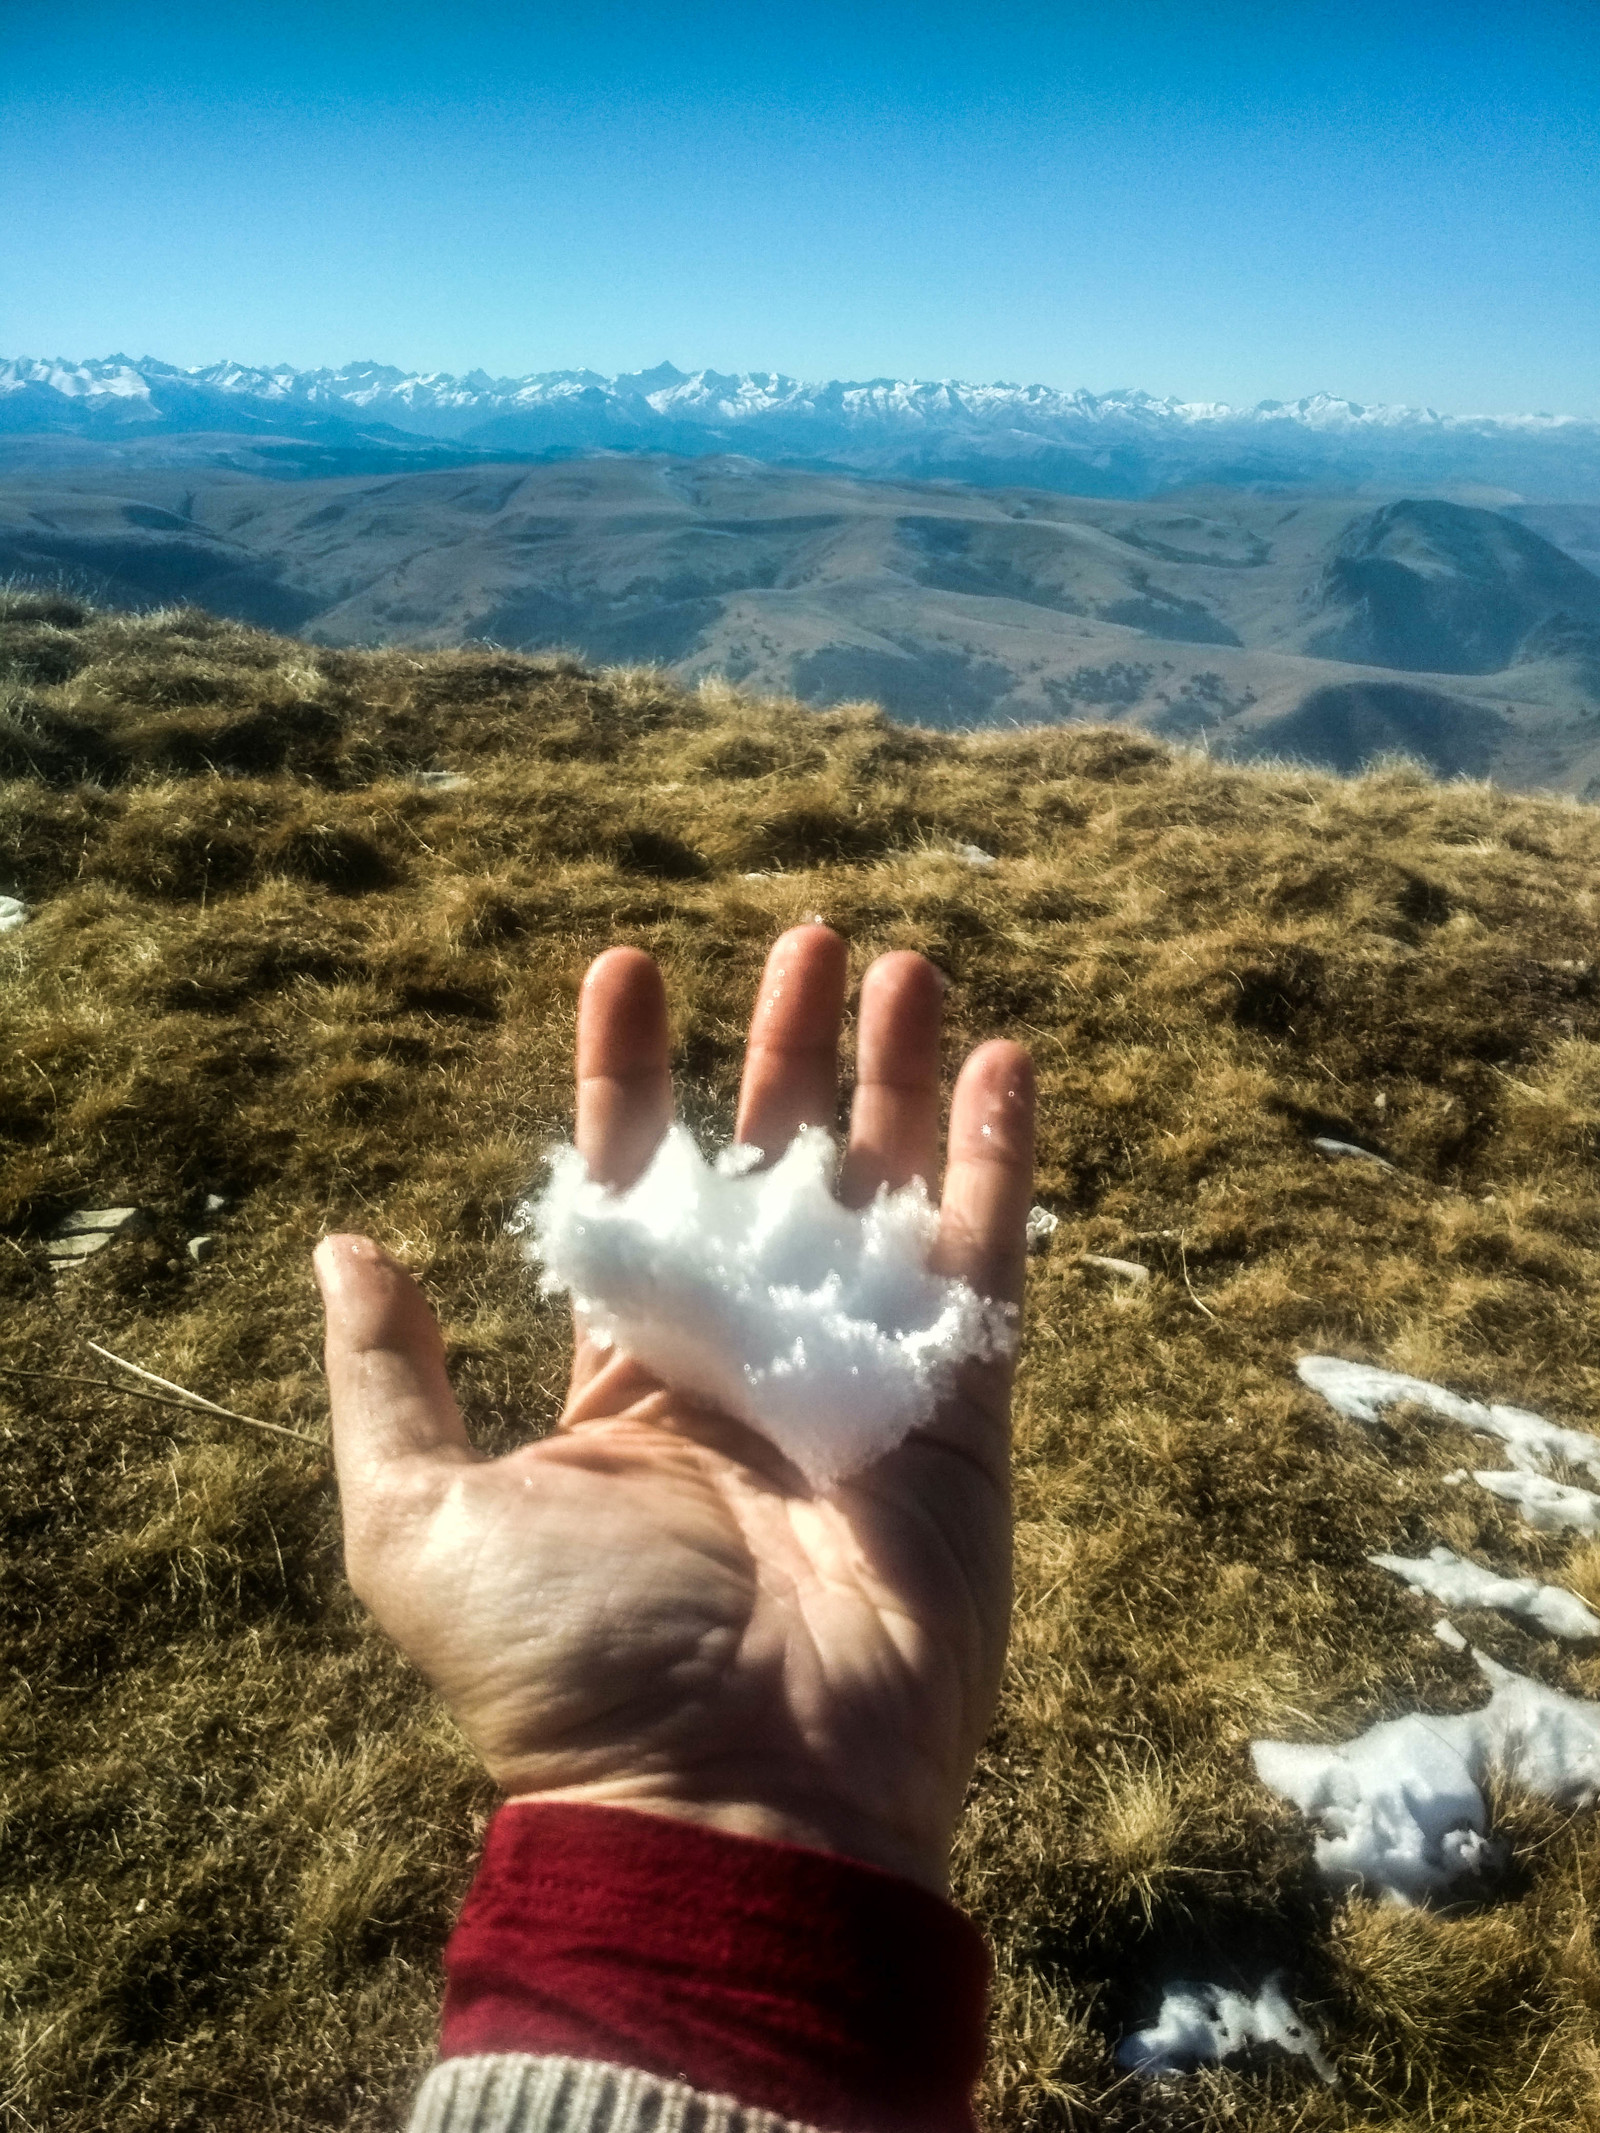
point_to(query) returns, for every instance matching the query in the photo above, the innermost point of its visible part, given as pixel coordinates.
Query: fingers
(791, 1063)
(988, 1179)
(894, 1118)
(386, 1378)
(624, 1075)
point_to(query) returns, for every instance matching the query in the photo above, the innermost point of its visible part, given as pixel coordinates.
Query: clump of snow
(973, 855)
(13, 912)
(1447, 1633)
(1336, 1151)
(1401, 1806)
(1358, 1390)
(1200, 2025)
(1456, 1582)
(1549, 1506)
(1042, 1226)
(820, 1325)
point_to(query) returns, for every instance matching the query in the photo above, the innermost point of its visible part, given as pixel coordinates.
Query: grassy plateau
(267, 961)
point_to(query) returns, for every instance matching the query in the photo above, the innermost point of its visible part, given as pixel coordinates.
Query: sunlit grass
(266, 962)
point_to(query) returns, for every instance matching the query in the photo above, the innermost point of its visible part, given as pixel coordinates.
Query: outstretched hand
(650, 1608)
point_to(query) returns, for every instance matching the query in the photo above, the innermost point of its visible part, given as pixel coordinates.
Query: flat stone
(1119, 1269)
(70, 1251)
(88, 1230)
(106, 1221)
(1343, 1151)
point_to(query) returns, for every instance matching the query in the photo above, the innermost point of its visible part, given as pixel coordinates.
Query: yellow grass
(266, 962)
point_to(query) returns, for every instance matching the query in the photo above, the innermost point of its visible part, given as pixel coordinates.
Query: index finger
(624, 1072)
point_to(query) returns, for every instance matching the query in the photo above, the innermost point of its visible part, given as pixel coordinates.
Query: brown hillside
(265, 961)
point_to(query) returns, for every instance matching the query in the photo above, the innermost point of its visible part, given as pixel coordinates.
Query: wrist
(813, 1823)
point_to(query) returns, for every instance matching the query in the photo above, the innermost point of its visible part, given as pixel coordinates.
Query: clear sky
(1224, 201)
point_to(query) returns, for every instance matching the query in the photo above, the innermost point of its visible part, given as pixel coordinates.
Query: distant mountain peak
(1124, 442)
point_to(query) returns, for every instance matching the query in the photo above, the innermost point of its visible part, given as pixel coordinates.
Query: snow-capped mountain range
(1124, 443)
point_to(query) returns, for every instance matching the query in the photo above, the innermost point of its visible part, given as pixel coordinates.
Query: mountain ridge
(1119, 443)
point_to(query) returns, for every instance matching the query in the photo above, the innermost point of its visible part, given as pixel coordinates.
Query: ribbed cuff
(802, 1984)
(511, 2092)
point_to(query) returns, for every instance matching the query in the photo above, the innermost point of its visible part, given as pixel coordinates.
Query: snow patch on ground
(822, 1326)
(1549, 1506)
(1454, 1581)
(1359, 1391)
(1401, 1807)
(1200, 2025)
(13, 912)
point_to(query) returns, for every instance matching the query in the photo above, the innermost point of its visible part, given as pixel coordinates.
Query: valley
(1324, 627)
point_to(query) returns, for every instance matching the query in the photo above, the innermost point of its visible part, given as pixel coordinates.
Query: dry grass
(266, 962)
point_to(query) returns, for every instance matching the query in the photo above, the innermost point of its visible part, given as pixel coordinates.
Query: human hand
(650, 1608)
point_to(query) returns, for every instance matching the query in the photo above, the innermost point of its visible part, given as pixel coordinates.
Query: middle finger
(791, 1063)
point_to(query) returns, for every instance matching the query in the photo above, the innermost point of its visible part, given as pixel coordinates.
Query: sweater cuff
(798, 1982)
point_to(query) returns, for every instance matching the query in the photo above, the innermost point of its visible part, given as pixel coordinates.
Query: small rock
(1337, 1151)
(1042, 1226)
(201, 1249)
(1119, 1269)
(13, 912)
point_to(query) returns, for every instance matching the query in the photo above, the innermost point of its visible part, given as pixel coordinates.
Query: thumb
(387, 1389)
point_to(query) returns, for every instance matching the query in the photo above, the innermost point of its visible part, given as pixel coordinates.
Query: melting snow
(820, 1325)
(1042, 1226)
(13, 912)
(1447, 1633)
(1359, 1391)
(1401, 1806)
(1455, 1582)
(1201, 2024)
(1548, 1505)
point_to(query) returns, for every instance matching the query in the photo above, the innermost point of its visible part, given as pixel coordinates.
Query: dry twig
(193, 1399)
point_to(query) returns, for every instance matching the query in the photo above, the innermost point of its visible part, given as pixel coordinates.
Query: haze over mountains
(368, 416)
(1329, 627)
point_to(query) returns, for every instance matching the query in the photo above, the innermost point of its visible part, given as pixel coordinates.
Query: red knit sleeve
(792, 1980)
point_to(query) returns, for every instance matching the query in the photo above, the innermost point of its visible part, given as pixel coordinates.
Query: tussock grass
(267, 962)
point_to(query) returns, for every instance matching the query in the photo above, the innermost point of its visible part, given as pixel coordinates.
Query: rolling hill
(1327, 627)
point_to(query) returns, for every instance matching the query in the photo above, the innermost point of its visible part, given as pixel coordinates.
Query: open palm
(650, 1608)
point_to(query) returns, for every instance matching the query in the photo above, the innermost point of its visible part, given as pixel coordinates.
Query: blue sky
(1223, 201)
